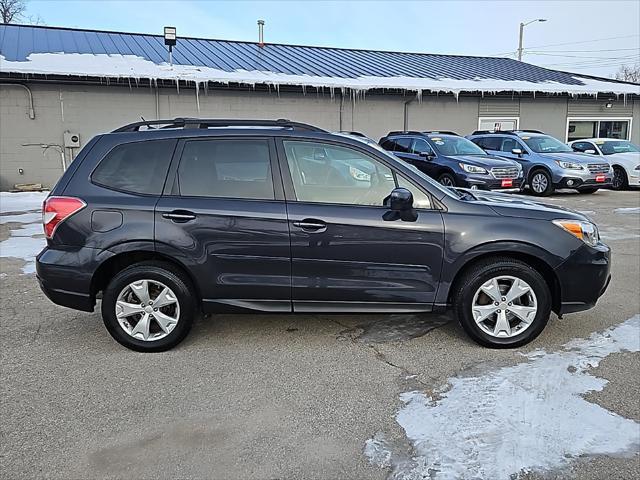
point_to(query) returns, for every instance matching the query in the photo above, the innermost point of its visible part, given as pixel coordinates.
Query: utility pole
(522, 25)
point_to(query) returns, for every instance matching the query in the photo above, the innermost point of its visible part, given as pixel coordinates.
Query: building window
(496, 124)
(579, 128)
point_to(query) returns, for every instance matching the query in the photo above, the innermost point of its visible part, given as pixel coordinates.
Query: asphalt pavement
(271, 396)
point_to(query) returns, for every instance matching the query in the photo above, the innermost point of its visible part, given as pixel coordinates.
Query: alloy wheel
(539, 182)
(618, 178)
(446, 181)
(504, 306)
(147, 310)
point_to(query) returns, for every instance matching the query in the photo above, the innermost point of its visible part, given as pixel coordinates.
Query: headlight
(585, 231)
(359, 174)
(472, 168)
(569, 165)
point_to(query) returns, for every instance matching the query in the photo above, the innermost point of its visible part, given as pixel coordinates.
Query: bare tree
(12, 10)
(629, 73)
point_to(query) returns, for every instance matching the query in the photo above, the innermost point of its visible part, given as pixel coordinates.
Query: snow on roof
(34, 50)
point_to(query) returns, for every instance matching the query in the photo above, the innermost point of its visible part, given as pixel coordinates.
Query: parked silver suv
(547, 162)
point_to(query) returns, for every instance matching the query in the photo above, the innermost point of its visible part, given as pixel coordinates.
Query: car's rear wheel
(620, 180)
(447, 180)
(587, 190)
(149, 307)
(502, 303)
(540, 183)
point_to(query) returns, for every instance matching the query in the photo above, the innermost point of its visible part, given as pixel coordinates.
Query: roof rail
(440, 132)
(355, 134)
(215, 122)
(499, 132)
(404, 132)
(528, 130)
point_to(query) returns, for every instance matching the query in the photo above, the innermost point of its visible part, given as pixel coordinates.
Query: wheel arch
(116, 263)
(530, 257)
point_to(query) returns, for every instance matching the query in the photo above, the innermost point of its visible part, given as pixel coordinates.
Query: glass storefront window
(579, 129)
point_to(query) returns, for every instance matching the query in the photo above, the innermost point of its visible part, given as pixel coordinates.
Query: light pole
(522, 25)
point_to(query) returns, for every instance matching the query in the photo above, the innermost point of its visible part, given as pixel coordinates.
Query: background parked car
(547, 162)
(453, 160)
(623, 156)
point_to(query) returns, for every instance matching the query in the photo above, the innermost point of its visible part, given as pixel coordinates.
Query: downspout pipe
(32, 112)
(406, 114)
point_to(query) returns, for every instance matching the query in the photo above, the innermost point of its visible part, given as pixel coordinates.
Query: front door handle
(179, 216)
(310, 224)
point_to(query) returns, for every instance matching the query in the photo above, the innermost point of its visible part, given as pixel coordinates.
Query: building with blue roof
(57, 84)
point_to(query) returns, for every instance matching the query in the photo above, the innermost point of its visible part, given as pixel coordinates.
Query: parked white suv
(623, 156)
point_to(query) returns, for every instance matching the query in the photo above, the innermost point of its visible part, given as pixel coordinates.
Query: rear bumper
(583, 278)
(65, 276)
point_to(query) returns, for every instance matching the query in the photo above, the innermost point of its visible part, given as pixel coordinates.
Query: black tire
(166, 274)
(485, 270)
(447, 180)
(534, 181)
(620, 180)
(588, 190)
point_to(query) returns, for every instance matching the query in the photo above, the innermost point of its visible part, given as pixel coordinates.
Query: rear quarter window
(138, 167)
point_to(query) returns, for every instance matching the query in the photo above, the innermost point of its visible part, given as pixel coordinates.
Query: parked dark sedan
(453, 160)
(190, 215)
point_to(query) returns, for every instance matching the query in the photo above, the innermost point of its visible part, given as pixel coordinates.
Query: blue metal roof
(17, 42)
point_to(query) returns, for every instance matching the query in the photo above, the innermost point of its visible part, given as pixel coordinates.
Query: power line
(584, 41)
(580, 56)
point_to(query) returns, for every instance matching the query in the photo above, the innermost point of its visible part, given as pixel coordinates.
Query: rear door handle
(179, 216)
(311, 224)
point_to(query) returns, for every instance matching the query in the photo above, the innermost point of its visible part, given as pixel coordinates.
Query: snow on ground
(27, 237)
(627, 210)
(528, 417)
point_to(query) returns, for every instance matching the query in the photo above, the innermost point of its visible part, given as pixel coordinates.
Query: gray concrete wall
(444, 113)
(546, 114)
(89, 110)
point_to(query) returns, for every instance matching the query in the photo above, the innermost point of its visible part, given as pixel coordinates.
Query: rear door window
(139, 167)
(226, 169)
(403, 145)
(488, 143)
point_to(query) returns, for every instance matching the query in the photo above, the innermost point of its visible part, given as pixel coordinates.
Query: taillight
(56, 210)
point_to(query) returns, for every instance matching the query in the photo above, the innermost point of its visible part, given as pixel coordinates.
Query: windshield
(452, 146)
(546, 144)
(621, 146)
(422, 175)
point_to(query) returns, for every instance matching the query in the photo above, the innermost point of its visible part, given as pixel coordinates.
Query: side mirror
(400, 203)
(517, 151)
(426, 155)
(590, 151)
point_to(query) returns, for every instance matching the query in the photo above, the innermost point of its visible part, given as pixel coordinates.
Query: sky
(589, 37)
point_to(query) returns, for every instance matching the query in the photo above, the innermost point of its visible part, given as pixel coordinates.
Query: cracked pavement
(265, 396)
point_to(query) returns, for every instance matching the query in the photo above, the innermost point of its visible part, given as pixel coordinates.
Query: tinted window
(509, 144)
(388, 145)
(226, 168)
(327, 173)
(139, 167)
(403, 145)
(489, 143)
(609, 148)
(420, 145)
(582, 146)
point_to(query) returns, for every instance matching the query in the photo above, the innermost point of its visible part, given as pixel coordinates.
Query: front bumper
(583, 278)
(65, 275)
(566, 178)
(488, 182)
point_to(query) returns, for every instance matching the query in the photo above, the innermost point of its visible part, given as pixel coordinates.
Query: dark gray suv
(163, 220)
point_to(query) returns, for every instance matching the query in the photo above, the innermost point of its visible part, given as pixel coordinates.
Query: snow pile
(528, 417)
(132, 66)
(27, 239)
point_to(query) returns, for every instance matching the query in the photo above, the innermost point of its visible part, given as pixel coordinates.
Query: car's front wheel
(540, 183)
(502, 303)
(447, 180)
(149, 307)
(620, 180)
